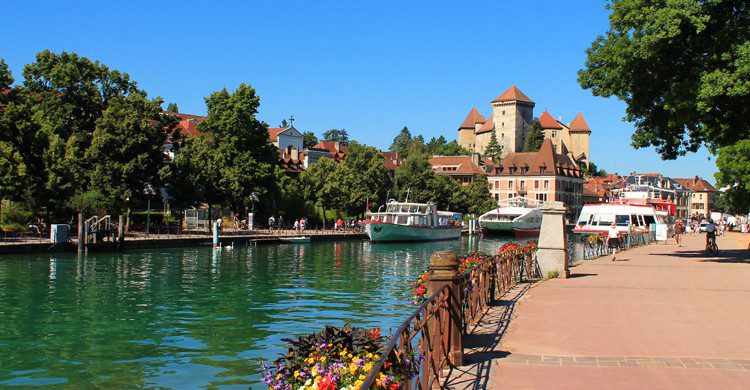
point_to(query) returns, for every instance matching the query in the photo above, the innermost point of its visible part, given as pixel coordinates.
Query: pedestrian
(303, 223)
(613, 240)
(679, 229)
(296, 226)
(281, 222)
(271, 222)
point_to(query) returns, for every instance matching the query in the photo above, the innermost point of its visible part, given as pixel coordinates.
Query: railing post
(444, 271)
(81, 233)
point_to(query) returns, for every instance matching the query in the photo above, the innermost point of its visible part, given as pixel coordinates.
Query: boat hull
(385, 232)
(496, 227)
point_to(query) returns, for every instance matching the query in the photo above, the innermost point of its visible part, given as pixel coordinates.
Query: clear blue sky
(368, 67)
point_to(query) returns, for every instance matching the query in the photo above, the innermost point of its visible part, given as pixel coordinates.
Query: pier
(661, 316)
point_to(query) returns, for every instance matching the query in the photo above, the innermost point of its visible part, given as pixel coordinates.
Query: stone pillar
(552, 253)
(121, 228)
(444, 271)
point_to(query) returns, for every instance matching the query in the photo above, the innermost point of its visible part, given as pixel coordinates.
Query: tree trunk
(324, 218)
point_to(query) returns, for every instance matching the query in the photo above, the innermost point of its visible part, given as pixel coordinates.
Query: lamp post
(251, 217)
(149, 191)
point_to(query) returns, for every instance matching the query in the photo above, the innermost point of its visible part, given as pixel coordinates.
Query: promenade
(662, 316)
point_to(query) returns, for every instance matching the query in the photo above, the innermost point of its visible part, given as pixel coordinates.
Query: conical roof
(548, 122)
(472, 119)
(488, 125)
(579, 124)
(513, 93)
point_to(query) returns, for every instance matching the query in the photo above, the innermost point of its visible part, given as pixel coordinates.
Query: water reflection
(192, 317)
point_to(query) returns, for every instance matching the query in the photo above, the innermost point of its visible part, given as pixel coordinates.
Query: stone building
(544, 175)
(510, 121)
(463, 169)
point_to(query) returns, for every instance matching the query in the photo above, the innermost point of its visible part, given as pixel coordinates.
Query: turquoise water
(192, 317)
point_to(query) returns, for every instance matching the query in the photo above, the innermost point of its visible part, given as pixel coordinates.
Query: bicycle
(711, 248)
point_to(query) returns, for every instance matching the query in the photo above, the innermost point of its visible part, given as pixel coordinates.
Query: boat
(403, 221)
(598, 217)
(520, 216)
(296, 240)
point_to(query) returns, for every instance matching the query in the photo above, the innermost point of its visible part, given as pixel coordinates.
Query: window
(622, 220)
(554, 133)
(510, 184)
(649, 219)
(536, 184)
(523, 184)
(497, 184)
(541, 197)
(546, 184)
(503, 112)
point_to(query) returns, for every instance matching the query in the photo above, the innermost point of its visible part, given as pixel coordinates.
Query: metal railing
(581, 247)
(432, 324)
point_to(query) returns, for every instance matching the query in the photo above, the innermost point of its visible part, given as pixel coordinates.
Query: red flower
(374, 333)
(327, 384)
(393, 386)
(420, 290)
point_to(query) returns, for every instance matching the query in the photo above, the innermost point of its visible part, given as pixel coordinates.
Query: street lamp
(149, 191)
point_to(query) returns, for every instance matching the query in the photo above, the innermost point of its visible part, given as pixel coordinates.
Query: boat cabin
(412, 214)
(597, 218)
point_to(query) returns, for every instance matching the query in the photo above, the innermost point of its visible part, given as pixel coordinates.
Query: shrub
(14, 218)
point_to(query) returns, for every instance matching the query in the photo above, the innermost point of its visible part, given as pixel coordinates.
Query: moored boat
(520, 216)
(411, 222)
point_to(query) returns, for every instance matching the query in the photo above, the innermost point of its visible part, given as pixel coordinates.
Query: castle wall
(512, 124)
(466, 139)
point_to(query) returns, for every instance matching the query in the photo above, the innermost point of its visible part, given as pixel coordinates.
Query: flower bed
(338, 358)
(419, 289)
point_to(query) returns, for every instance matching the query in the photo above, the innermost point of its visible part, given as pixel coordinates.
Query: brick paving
(661, 317)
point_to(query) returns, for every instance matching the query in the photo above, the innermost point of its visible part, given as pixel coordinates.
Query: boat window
(649, 219)
(606, 219)
(584, 219)
(622, 220)
(634, 219)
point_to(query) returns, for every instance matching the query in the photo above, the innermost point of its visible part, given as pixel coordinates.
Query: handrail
(394, 338)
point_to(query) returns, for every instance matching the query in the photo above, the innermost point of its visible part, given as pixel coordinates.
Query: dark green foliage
(494, 150)
(310, 139)
(534, 140)
(593, 170)
(14, 217)
(322, 185)
(415, 175)
(682, 68)
(401, 142)
(476, 197)
(733, 162)
(337, 135)
(172, 107)
(362, 176)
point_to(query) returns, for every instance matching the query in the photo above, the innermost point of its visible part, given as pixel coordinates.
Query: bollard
(81, 233)
(121, 228)
(215, 228)
(444, 271)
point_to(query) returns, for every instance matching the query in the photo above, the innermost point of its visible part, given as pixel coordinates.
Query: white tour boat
(520, 216)
(411, 222)
(597, 218)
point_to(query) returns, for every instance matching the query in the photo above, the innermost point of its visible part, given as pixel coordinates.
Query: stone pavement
(662, 316)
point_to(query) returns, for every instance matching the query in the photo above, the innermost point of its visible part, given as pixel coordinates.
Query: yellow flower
(381, 376)
(323, 359)
(368, 367)
(278, 376)
(310, 360)
(352, 368)
(314, 371)
(358, 384)
(362, 377)
(296, 374)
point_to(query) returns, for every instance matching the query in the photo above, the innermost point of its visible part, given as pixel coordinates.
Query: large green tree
(339, 135)
(401, 142)
(494, 150)
(682, 67)
(414, 175)
(323, 185)
(362, 176)
(310, 139)
(48, 126)
(734, 161)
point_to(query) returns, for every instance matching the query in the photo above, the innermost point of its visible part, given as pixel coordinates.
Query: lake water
(193, 317)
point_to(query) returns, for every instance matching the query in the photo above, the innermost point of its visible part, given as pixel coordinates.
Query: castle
(510, 121)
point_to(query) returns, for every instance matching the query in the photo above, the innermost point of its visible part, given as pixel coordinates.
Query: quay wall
(169, 242)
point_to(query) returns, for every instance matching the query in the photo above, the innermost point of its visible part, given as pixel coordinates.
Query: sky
(368, 67)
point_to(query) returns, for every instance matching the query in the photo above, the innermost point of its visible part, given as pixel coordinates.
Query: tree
(172, 107)
(494, 150)
(435, 143)
(681, 67)
(443, 190)
(451, 149)
(534, 140)
(362, 176)
(323, 185)
(334, 135)
(126, 149)
(734, 172)
(476, 197)
(401, 142)
(414, 175)
(284, 123)
(310, 139)
(593, 170)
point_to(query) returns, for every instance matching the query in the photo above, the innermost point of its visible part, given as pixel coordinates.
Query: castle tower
(553, 131)
(512, 113)
(467, 130)
(579, 139)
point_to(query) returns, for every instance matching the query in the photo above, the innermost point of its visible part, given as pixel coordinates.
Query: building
(510, 121)
(463, 169)
(703, 197)
(599, 189)
(570, 139)
(658, 186)
(544, 175)
(286, 138)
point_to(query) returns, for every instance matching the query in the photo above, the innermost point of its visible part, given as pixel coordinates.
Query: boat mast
(407, 195)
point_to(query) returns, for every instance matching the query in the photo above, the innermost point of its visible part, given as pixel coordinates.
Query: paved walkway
(660, 317)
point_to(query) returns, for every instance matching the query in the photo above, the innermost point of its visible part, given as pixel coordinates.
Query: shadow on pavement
(734, 256)
(580, 275)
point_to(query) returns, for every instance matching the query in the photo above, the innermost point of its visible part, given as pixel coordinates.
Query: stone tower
(579, 139)
(512, 114)
(469, 127)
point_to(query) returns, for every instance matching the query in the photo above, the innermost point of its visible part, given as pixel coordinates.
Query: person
(710, 232)
(296, 226)
(613, 240)
(339, 224)
(271, 222)
(302, 223)
(679, 229)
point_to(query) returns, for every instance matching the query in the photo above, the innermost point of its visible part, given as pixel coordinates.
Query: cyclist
(710, 234)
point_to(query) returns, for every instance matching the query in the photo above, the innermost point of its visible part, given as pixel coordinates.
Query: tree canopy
(339, 135)
(310, 139)
(494, 150)
(172, 107)
(682, 68)
(401, 142)
(734, 161)
(534, 140)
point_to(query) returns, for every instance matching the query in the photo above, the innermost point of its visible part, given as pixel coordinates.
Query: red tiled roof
(548, 122)
(472, 119)
(189, 127)
(273, 133)
(392, 160)
(337, 154)
(579, 124)
(697, 184)
(488, 125)
(463, 164)
(543, 162)
(513, 93)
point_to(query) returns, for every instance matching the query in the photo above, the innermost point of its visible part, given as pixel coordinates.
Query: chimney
(475, 158)
(695, 181)
(295, 153)
(336, 145)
